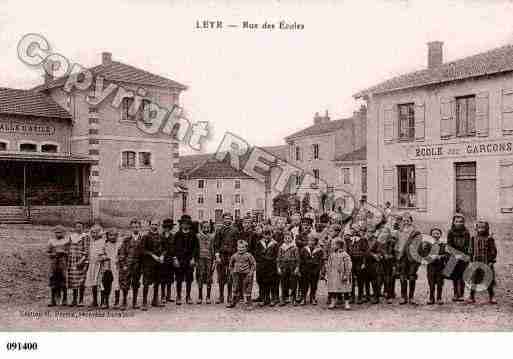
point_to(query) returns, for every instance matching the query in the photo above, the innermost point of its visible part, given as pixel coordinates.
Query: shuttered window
(406, 122)
(128, 159)
(506, 186)
(466, 116)
(447, 120)
(406, 186)
(507, 112)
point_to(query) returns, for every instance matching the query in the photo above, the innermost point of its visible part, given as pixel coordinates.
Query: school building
(64, 157)
(440, 140)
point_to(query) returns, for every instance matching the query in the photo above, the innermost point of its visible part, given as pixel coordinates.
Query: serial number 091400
(19, 346)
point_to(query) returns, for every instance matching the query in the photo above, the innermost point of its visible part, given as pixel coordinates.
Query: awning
(45, 157)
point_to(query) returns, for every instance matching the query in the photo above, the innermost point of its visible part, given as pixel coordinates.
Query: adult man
(186, 249)
(225, 245)
(151, 264)
(134, 251)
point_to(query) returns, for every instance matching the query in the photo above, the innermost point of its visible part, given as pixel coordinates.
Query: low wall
(119, 212)
(66, 215)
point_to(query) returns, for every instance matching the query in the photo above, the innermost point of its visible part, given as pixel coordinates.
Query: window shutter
(506, 186)
(388, 123)
(447, 119)
(482, 109)
(421, 186)
(507, 111)
(420, 122)
(389, 185)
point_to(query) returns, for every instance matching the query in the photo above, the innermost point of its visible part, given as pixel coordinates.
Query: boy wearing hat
(225, 245)
(152, 261)
(167, 270)
(186, 250)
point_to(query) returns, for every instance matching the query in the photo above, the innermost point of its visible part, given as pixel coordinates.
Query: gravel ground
(24, 295)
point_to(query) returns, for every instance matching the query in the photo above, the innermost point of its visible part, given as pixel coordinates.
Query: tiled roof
(321, 128)
(206, 165)
(119, 72)
(358, 155)
(30, 103)
(491, 62)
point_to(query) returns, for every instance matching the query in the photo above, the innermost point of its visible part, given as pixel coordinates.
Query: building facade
(132, 171)
(439, 140)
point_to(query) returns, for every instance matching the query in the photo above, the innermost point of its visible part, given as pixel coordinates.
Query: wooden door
(466, 192)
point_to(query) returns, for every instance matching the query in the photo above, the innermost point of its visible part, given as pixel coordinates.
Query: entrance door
(466, 194)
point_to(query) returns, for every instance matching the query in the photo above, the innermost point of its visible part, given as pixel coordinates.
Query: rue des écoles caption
(248, 25)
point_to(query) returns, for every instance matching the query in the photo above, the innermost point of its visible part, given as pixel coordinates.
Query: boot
(155, 301)
(332, 302)
(74, 301)
(53, 295)
(116, 299)
(64, 297)
(404, 292)
(346, 305)
(169, 287)
(411, 294)
(229, 292)
(491, 295)
(188, 286)
(431, 295)
(220, 300)
(81, 291)
(472, 298)
(200, 294)
(248, 302)
(135, 293)
(94, 303)
(233, 302)
(178, 293)
(106, 299)
(145, 298)
(163, 293)
(283, 301)
(125, 296)
(209, 290)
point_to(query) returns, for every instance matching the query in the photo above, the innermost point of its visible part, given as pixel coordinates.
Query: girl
(483, 251)
(458, 239)
(288, 269)
(96, 256)
(77, 262)
(204, 261)
(437, 258)
(112, 246)
(339, 274)
(58, 248)
(407, 266)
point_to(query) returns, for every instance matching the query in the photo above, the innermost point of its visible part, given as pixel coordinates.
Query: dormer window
(3, 146)
(125, 109)
(28, 147)
(49, 148)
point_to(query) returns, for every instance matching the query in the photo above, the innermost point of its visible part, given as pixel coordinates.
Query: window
(201, 183)
(219, 198)
(237, 198)
(407, 122)
(315, 151)
(125, 109)
(145, 159)
(364, 179)
(201, 199)
(201, 214)
(298, 180)
(406, 178)
(3, 146)
(346, 175)
(237, 213)
(219, 184)
(47, 147)
(144, 111)
(316, 175)
(128, 159)
(28, 147)
(237, 184)
(466, 116)
(298, 153)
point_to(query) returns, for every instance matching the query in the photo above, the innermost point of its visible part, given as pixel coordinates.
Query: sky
(259, 84)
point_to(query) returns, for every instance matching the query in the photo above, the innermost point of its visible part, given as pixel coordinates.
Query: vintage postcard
(180, 166)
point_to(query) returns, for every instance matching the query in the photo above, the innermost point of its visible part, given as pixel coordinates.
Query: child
(406, 265)
(77, 263)
(388, 263)
(152, 260)
(204, 261)
(167, 274)
(310, 262)
(186, 248)
(437, 258)
(357, 248)
(96, 257)
(111, 271)
(242, 266)
(288, 268)
(483, 251)
(374, 270)
(339, 274)
(58, 248)
(266, 255)
(458, 239)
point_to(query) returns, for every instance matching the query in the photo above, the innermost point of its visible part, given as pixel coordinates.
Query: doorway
(466, 189)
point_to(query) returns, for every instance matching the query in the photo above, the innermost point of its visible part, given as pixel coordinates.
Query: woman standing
(77, 262)
(458, 239)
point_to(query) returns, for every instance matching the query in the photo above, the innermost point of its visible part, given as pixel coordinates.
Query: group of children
(360, 261)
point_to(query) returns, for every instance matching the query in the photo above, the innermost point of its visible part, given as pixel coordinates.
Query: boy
(288, 269)
(167, 273)
(266, 254)
(437, 258)
(58, 253)
(388, 263)
(357, 247)
(186, 250)
(242, 266)
(110, 278)
(225, 245)
(310, 262)
(152, 261)
(205, 261)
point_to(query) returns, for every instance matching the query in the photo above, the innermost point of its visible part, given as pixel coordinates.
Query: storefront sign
(26, 129)
(477, 148)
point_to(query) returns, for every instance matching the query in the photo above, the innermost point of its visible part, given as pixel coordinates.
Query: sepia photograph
(277, 166)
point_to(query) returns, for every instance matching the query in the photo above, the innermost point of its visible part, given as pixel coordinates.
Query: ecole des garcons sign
(444, 150)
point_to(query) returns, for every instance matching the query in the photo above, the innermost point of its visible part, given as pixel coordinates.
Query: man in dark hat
(225, 245)
(186, 249)
(168, 250)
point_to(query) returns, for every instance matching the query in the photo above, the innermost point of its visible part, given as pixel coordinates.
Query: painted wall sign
(11, 127)
(477, 148)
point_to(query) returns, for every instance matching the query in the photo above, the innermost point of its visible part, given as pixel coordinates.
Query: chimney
(49, 66)
(317, 118)
(106, 58)
(435, 54)
(321, 119)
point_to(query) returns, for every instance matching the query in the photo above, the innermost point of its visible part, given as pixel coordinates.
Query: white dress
(111, 249)
(96, 256)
